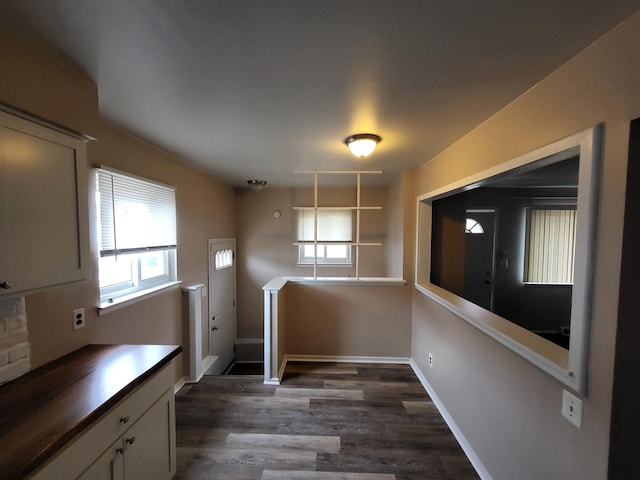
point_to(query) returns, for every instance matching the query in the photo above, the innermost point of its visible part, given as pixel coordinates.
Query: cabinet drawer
(89, 445)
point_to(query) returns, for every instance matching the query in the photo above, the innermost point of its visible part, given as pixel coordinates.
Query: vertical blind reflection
(551, 244)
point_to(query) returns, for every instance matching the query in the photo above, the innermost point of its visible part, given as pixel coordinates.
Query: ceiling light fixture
(362, 144)
(256, 184)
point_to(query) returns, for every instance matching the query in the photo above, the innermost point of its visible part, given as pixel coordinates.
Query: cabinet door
(109, 466)
(43, 207)
(150, 444)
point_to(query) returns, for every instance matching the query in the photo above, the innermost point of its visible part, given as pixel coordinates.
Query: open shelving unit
(357, 208)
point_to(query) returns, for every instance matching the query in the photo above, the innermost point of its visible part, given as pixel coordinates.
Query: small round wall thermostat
(276, 214)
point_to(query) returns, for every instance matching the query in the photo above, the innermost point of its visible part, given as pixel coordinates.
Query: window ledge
(278, 282)
(126, 300)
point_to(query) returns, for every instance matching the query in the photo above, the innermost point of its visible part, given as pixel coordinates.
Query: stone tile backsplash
(14, 341)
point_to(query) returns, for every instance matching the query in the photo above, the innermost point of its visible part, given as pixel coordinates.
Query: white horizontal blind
(135, 215)
(551, 246)
(333, 226)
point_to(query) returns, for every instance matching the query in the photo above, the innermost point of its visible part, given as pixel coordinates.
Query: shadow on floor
(253, 368)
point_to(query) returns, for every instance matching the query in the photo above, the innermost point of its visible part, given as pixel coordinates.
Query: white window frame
(570, 367)
(137, 283)
(136, 286)
(321, 257)
(319, 243)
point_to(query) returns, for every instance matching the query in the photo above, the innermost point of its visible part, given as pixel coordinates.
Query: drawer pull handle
(130, 440)
(124, 419)
(120, 451)
(6, 285)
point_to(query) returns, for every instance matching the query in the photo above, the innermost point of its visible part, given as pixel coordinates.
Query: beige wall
(265, 244)
(348, 320)
(401, 218)
(36, 83)
(39, 84)
(491, 393)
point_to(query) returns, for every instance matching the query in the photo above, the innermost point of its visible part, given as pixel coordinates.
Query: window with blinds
(137, 234)
(334, 236)
(550, 245)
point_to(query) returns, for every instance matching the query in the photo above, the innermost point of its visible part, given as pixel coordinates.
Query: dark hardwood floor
(324, 422)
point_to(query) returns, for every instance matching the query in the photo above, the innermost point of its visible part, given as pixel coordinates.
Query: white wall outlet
(430, 360)
(78, 318)
(572, 408)
(203, 292)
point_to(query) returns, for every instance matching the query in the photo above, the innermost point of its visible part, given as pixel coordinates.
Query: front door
(222, 303)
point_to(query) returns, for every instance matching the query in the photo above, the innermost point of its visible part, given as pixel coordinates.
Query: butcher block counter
(74, 416)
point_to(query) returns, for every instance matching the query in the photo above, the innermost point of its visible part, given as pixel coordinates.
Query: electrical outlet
(572, 408)
(430, 360)
(203, 292)
(78, 318)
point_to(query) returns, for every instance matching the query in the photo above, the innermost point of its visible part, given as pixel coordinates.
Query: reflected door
(479, 257)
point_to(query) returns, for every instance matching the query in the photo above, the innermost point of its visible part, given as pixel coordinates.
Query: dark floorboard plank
(325, 421)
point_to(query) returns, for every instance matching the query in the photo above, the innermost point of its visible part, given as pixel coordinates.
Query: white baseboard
(464, 444)
(181, 383)
(343, 359)
(204, 366)
(281, 370)
(207, 362)
(332, 358)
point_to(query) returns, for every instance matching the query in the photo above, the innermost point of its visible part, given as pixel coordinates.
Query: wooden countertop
(43, 410)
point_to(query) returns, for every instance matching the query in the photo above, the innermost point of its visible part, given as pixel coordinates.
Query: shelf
(337, 208)
(355, 244)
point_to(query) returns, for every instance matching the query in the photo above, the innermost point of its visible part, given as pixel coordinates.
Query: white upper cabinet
(44, 237)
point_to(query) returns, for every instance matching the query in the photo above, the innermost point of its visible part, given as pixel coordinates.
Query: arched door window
(473, 226)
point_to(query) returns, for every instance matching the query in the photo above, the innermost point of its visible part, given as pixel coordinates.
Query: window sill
(125, 301)
(278, 282)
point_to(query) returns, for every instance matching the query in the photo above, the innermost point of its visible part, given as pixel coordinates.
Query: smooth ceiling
(259, 89)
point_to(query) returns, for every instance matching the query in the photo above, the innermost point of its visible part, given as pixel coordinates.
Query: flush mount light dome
(256, 184)
(362, 144)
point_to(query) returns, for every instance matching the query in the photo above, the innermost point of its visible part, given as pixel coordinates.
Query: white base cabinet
(110, 466)
(135, 440)
(145, 451)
